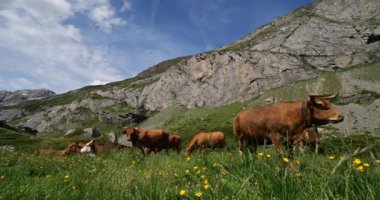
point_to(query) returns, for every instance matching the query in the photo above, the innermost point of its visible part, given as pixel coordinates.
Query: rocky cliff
(8, 98)
(327, 35)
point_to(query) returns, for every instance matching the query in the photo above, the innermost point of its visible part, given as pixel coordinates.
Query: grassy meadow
(344, 171)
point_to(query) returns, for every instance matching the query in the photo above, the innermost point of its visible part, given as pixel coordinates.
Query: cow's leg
(276, 141)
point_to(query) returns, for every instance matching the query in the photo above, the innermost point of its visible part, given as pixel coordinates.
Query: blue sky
(63, 45)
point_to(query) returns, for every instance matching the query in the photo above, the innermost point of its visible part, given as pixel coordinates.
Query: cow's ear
(317, 101)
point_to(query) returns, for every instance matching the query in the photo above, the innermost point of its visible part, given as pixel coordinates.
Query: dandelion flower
(356, 161)
(206, 186)
(285, 159)
(365, 164)
(175, 174)
(203, 177)
(66, 177)
(73, 187)
(187, 171)
(215, 165)
(2, 177)
(188, 158)
(195, 168)
(331, 157)
(268, 155)
(206, 182)
(198, 194)
(377, 161)
(360, 168)
(298, 161)
(260, 154)
(133, 162)
(182, 193)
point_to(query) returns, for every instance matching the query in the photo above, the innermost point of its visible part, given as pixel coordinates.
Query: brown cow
(144, 139)
(203, 140)
(97, 148)
(309, 137)
(283, 120)
(73, 147)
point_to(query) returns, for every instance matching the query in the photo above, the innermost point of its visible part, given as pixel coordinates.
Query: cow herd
(293, 122)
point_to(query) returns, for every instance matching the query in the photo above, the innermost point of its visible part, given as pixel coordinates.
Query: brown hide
(175, 142)
(282, 120)
(73, 147)
(206, 140)
(147, 139)
(98, 148)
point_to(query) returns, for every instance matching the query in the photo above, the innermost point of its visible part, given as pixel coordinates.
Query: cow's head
(323, 111)
(131, 132)
(73, 147)
(88, 147)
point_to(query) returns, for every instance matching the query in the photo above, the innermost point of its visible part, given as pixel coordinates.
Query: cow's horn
(331, 96)
(89, 142)
(316, 95)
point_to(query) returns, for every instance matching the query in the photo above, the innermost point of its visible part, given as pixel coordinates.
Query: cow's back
(258, 122)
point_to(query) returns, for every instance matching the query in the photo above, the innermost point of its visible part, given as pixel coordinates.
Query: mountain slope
(301, 45)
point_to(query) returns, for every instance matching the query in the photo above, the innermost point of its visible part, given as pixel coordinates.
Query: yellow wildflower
(206, 186)
(182, 192)
(298, 174)
(377, 161)
(298, 161)
(66, 177)
(206, 182)
(268, 155)
(356, 161)
(260, 154)
(223, 172)
(133, 162)
(2, 177)
(73, 187)
(198, 194)
(215, 165)
(365, 164)
(331, 157)
(285, 159)
(188, 158)
(360, 168)
(195, 168)
(175, 174)
(187, 171)
(203, 177)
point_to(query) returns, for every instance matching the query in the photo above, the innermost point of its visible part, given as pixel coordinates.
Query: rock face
(290, 48)
(11, 98)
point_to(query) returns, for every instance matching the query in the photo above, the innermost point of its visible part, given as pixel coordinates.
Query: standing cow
(147, 140)
(206, 140)
(283, 120)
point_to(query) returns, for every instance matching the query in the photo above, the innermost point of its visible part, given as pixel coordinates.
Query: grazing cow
(147, 140)
(309, 137)
(283, 120)
(97, 148)
(206, 140)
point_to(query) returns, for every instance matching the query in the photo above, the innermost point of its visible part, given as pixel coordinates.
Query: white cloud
(38, 49)
(100, 12)
(126, 6)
